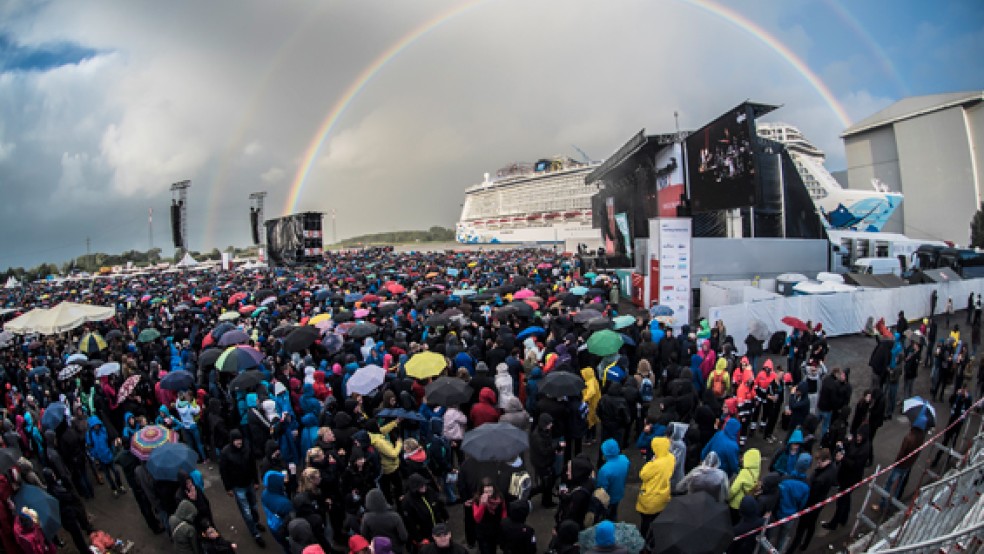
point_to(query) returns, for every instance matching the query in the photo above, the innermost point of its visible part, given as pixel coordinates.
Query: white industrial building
(929, 148)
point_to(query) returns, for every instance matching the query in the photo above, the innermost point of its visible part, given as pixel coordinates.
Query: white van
(877, 266)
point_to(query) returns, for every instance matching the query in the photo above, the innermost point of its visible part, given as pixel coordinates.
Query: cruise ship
(840, 208)
(542, 202)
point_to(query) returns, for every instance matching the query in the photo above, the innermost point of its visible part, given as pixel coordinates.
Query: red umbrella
(247, 309)
(203, 300)
(795, 323)
(126, 389)
(370, 298)
(395, 288)
(236, 298)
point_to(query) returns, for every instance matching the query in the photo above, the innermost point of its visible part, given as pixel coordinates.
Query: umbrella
(586, 315)
(437, 320)
(107, 368)
(365, 380)
(246, 380)
(233, 337)
(342, 316)
(247, 309)
(590, 275)
(627, 339)
(626, 534)
(8, 458)
(692, 523)
(757, 329)
(447, 391)
(76, 358)
(301, 338)
(464, 293)
(319, 318)
(149, 335)
(659, 310)
(167, 460)
(150, 437)
(522, 309)
(238, 358)
(127, 388)
(40, 370)
(501, 442)
(69, 371)
(231, 315)
(558, 384)
(579, 290)
(221, 329)
(209, 357)
(361, 313)
(531, 331)
(387, 308)
(282, 331)
(269, 300)
(178, 380)
(426, 364)
(44, 504)
(53, 415)
(623, 321)
(795, 323)
(362, 330)
(599, 324)
(6, 339)
(523, 293)
(604, 343)
(917, 409)
(114, 334)
(401, 413)
(91, 343)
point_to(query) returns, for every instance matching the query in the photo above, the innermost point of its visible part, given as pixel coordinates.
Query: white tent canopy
(187, 261)
(12, 282)
(63, 317)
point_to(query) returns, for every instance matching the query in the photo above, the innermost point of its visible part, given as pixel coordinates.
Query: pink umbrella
(361, 313)
(523, 293)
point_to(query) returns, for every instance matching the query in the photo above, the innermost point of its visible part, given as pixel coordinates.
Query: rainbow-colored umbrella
(149, 438)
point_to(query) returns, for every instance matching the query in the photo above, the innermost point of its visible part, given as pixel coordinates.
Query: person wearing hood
(543, 455)
(189, 490)
(824, 478)
(768, 496)
(299, 535)
(725, 445)
(277, 506)
(745, 482)
(749, 520)
(238, 472)
(899, 475)
(565, 539)
(591, 395)
(272, 458)
(309, 403)
(188, 412)
(517, 536)
(612, 476)
(422, 509)
(613, 413)
(793, 494)
(533, 387)
(784, 462)
(130, 425)
(515, 414)
(604, 542)
(309, 432)
(484, 411)
(218, 432)
(391, 481)
(770, 392)
(73, 515)
(53, 458)
(718, 381)
(100, 447)
(677, 433)
(798, 407)
(857, 452)
(707, 477)
(504, 385)
(654, 492)
(183, 533)
(381, 520)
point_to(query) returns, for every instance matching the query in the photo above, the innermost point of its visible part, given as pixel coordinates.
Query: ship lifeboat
(533, 217)
(553, 215)
(568, 215)
(478, 222)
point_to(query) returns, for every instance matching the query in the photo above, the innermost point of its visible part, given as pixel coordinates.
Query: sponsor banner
(669, 266)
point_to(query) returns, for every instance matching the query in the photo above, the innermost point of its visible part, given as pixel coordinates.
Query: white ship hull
(542, 233)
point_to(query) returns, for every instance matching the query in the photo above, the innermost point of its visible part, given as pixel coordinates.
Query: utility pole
(676, 120)
(88, 244)
(150, 227)
(334, 234)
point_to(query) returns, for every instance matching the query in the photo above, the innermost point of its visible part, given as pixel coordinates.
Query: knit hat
(357, 543)
(605, 534)
(382, 545)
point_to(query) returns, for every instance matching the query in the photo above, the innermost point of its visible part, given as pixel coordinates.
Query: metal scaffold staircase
(946, 515)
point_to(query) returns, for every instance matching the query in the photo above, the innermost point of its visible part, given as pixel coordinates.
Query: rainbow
(339, 108)
(852, 23)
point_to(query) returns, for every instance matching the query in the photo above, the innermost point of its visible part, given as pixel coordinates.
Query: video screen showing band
(721, 163)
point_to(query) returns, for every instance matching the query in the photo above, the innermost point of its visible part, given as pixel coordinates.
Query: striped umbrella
(92, 343)
(238, 358)
(149, 438)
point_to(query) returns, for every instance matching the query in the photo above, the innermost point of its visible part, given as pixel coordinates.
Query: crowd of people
(342, 468)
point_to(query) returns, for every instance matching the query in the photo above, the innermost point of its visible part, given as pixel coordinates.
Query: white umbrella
(231, 315)
(77, 358)
(365, 380)
(108, 368)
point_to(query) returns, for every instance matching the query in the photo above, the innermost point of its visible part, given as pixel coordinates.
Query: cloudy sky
(104, 104)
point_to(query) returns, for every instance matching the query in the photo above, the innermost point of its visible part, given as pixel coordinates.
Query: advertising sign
(669, 179)
(669, 266)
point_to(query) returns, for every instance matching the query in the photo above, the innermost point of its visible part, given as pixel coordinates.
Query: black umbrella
(282, 331)
(431, 300)
(246, 380)
(259, 295)
(448, 391)
(114, 334)
(208, 357)
(520, 281)
(693, 523)
(599, 324)
(569, 299)
(167, 460)
(362, 330)
(523, 309)
(387, 308)
(496, 442)
(585, 316)
(483, 297)
(45, 505)
(437, 320)
(53, 416)
(301, 338)
(343, 316)
(178, 380)
(558, 384)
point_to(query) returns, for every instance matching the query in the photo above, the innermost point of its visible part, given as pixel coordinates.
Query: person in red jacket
(484, 411)
(321, 390)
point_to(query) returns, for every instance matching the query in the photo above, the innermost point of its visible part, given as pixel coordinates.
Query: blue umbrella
(178, 380)
(579, 291)
(401, 413)
(53, 416)
(166, 461)
(235, 336)
(35, 498)
(660, 311)
(221, 329)
(530, 331)
(41, 370)
(321, 295)
(627, 339)
(352, 297)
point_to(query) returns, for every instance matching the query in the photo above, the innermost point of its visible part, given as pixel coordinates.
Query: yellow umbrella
(319, 318)
(472, 264)
(425, 365)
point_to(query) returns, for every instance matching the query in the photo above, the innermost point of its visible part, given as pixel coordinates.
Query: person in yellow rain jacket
(591, 395)
(718, 381)
(654, 493)
(751, 466)
(389, 459)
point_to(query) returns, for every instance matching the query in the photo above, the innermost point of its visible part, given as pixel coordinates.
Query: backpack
(520, 485)
(597, 507)
(717, 385)
(646, 390)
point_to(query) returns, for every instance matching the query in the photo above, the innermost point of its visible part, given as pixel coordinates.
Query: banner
(669, 179)
(622, 219)
(669, 266)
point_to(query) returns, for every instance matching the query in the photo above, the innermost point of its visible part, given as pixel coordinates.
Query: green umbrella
(149, 335)
(604, 343)
(623, 321)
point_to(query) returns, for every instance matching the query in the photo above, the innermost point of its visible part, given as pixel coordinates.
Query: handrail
(979, 527)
